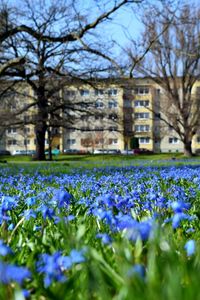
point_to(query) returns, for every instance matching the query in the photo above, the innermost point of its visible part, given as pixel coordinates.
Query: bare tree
(53, 60)
(173, 63)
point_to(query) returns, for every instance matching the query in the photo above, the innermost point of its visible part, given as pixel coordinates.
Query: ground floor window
(173, 140)
(144, 140)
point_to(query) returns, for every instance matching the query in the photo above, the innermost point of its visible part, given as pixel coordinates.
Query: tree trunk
(41, 124)
(40, 130)
(188, 148)
(49, 142)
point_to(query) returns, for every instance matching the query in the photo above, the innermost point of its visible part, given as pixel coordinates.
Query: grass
(34, 198)
(69, 162)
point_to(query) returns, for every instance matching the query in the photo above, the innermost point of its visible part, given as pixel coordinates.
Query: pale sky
(125, 23)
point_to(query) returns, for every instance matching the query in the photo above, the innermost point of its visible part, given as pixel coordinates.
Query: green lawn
(68, 162)
(97, 157)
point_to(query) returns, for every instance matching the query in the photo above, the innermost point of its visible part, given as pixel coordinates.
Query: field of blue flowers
(108, 233)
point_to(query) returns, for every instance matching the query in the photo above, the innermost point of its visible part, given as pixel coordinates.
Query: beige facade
(98, 121)
(106, 116)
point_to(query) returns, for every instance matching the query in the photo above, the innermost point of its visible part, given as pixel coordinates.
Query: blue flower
(140, 230)
(4, 250)
(10, 273)
(138, 270)
(179, 206)
(105, 238)
(178, 217)
(29, 213)
(47, 212)
(8, 203)
(77, 256)
(11, 227)
(31, 201)
(53, 266)
(26, 293)
(63, 198)
(50, 266)
(190, 247)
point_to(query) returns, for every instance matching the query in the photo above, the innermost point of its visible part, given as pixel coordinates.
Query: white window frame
(142, 115)
(99, 104)
(113, 128)
(112, 104)
(12, 130)
(84, 92)
(12, 142)
(71, 142)
(69, 93)
(142, 90)
(144, 140)
(99, 92)
(173, 140)
(113, 141)
(27, 142)
(141, 103)
(112, 92)
(142, 128)
(99, 141)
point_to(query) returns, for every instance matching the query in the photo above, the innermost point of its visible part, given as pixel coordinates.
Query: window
(113, 128)
(99, 117)
(13, 106)
(157, 116)
(55, 131)
(141, 90)
(113, 141)
(141, 103)
(112, 92)
(84, 118)
(144, 140)
(99, 92)
(113, 117)
(86, 142)
(27, 130)
(26, 118)
(99, 141)
(173, 140)
(99, 128)
(158, 91)
(26, 142)
(12, 142)
(112, 104)
(198, 140)
(84, 92)
(84, 105)
(142, 128)
(99, 104)
(198, 90)
(85, 128)
(12, 130)
(72, 129)
(71, 141)
(142, 115)
(69, 93)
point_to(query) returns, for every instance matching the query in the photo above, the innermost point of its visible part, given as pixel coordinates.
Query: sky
(125, 23)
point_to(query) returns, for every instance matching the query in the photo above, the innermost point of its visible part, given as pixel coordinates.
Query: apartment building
(106, 115)
(97, 121)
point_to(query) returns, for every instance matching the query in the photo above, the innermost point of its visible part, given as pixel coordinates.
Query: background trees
(173, 62)
(59, 44)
